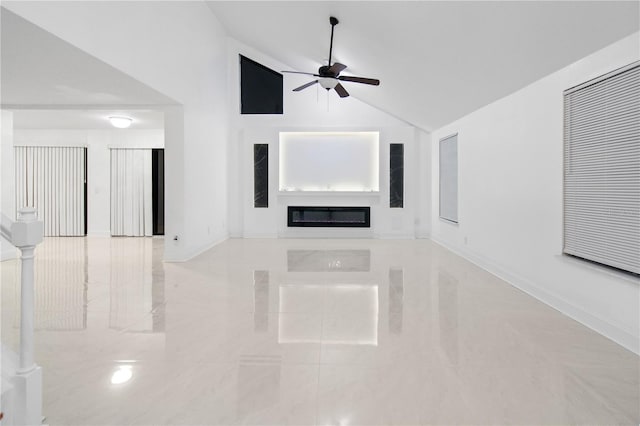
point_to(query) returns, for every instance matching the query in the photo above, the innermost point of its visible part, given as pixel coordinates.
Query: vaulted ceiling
(40, 70)
(437, 61)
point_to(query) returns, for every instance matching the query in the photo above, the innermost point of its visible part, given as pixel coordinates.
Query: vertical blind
(602, 170)
(449, 178)
(131, 193)
(52, 180)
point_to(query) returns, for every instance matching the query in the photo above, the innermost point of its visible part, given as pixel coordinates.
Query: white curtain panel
(131, 188)
(52, 179)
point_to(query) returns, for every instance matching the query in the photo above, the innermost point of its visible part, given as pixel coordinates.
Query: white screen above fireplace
(329, 161)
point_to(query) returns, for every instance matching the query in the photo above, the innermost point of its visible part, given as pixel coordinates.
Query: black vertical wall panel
(260, 175)
(86, 192)
(396, 175)
(157, 191)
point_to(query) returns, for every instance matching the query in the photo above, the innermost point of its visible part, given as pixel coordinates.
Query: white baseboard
(99, 234)
(599, 325)
(396, 236)
(423, 235)
(320, 232)
(198, 251)
(259, 235)
(324, 233)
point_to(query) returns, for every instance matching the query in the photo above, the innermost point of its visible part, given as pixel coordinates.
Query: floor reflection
(131, 281)
(69, 278)
(60, 287)
(306, 332)
(328, 260)
(349, 314)
(261, 301)
(258, 385)
(448, 316)
(396, 295)
(158, 301)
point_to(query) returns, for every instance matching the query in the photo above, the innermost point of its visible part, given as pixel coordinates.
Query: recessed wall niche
(329, 161)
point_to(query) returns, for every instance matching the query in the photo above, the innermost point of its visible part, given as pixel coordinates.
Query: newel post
(26, 233)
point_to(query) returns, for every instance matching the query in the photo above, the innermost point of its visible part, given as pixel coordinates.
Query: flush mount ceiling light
(120, 121)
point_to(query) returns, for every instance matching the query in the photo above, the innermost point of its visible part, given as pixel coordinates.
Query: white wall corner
(396, 236)
(191, 254)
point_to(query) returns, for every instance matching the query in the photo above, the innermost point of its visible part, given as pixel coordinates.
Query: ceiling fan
(329, 75)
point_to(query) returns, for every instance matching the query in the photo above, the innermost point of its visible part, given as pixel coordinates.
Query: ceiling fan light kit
(328, 82)
(329, 75)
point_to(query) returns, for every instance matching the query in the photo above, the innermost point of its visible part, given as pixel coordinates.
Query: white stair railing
(26, 233)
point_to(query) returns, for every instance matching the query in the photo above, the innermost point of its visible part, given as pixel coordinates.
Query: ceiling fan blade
(304, 86)
(341, 90)
(337, 68)
(300, 72)
(371, 81)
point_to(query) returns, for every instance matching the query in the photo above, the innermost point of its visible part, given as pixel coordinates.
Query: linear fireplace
(315, 216)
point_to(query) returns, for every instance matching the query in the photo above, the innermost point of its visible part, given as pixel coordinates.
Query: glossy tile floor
(304, 332)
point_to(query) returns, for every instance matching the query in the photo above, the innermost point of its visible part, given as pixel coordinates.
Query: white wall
(98, 143)
(423, 164)
(510, 200)
(179, 49)
(314, 110)
(7, 177)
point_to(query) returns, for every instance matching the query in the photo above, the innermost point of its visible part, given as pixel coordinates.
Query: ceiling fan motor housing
(325, 71)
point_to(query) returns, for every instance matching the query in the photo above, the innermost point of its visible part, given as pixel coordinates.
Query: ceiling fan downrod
(333, 21)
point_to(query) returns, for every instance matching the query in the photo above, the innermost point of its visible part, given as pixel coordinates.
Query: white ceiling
(84, 119)
(40, 69)
(437, 61)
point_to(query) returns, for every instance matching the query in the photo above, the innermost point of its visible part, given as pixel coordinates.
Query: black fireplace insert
(315, 216)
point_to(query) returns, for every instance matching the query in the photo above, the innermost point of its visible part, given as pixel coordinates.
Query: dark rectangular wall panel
(260, 88)
(260, 175)
(157, 190)
(396, 175)
(86, 193)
